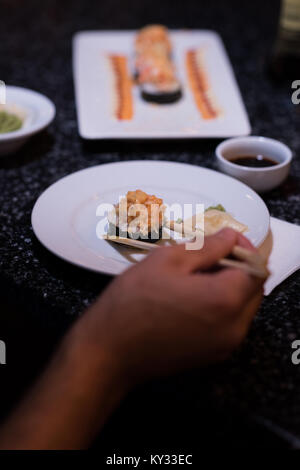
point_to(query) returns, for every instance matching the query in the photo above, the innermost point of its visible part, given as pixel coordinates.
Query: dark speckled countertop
(43, 295)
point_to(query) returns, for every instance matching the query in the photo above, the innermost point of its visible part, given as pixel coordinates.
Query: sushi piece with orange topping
(153, 37)
(155, 70)
(138, 215)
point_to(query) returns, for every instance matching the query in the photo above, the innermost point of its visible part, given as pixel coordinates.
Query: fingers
(229, 288)
(245, 242)
(242, 285)
(215, 247)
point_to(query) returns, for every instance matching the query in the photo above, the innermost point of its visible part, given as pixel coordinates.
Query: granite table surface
(259, 387)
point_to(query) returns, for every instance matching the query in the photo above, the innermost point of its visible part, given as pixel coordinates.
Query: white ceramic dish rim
(41, 122)
(93, 269)
(258, 139)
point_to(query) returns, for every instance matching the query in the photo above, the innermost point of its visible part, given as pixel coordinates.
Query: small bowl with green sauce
(24, 113)
(260, 162)
(9, 122)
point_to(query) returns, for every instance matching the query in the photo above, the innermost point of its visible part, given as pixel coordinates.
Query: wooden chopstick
(252, 262)
(257, 270)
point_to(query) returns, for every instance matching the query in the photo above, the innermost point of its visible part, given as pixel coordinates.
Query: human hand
(170, 311)
(166, 313)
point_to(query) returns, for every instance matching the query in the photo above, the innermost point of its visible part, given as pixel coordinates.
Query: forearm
(70, 402)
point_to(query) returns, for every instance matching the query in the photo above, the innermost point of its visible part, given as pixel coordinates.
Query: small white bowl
(36, 111)
(260, 179)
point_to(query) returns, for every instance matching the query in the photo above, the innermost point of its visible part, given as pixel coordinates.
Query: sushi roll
(153, 37)
(138, 216)
(154, 69)
(154, 94)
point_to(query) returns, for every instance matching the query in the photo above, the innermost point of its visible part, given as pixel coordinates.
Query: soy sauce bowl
(261, 179)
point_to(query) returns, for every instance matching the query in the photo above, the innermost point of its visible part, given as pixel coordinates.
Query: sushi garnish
(138, 215)
(123, 109)
(200, 85)
(155, 71)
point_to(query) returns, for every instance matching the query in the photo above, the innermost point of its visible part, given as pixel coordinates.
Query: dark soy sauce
(253, 161)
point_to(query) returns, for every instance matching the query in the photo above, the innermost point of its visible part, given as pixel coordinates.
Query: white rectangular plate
(94, 90)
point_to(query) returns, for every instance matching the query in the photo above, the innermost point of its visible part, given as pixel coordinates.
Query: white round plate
(36, 110)
(64, 217)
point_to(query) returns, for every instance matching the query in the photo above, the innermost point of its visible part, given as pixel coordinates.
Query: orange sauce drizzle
(200, 86)
(123, 85)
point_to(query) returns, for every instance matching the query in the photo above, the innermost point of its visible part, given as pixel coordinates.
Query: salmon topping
(144, 212)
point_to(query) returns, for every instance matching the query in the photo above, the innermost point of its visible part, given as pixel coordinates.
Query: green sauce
(9, 122)
(219, 207)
